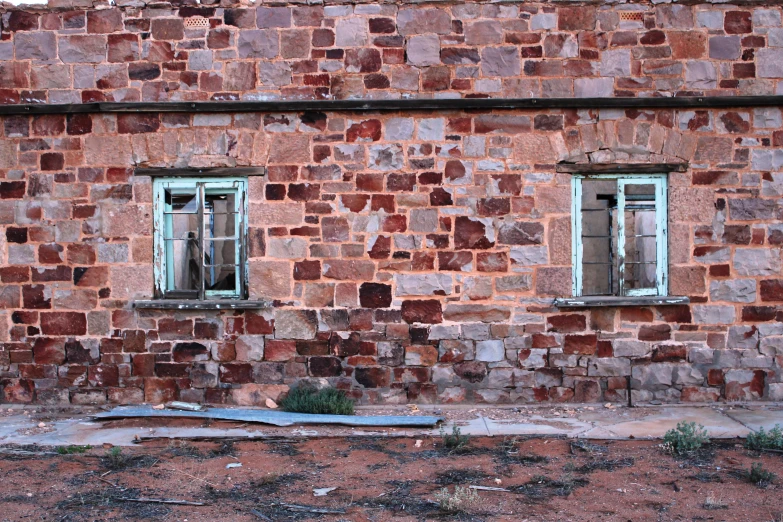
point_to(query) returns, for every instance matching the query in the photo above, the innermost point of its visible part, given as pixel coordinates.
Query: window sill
(598, 301)
(192, 304)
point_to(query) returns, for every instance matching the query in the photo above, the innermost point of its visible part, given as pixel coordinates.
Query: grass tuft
(72, 449)
(328, 401)
(715, 503)
(460, 501)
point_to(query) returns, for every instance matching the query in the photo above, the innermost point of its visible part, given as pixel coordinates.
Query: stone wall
(388, 50)
(408, 256)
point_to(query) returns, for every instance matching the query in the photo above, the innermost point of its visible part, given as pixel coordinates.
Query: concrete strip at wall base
(578, 422)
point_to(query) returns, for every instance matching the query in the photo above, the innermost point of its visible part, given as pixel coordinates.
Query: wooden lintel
(620, 168)
(458, 104)
(195, 172)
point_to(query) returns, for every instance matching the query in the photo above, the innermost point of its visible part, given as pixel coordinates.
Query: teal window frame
(163, 226)
(660, 181)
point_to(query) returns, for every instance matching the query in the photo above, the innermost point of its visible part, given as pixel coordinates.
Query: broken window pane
(183, 258)
(640, 237)
(599, 202)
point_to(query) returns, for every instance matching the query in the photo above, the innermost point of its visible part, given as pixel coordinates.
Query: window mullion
(661, 236)
(621, 236)
(201, 201)
(576, 235)
(239, 232)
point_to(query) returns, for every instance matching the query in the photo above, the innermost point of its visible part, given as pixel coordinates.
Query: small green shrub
(760, 476)
(116, 460)
(687, 437)
(72, 449)
(461, 500)
(761, 440)
(454, 441)
(329, 401)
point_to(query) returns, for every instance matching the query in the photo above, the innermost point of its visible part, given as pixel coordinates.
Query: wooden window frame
(660, 181)
(202, 186)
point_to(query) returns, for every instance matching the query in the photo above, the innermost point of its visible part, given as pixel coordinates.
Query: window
(200, 231)
(619, 235)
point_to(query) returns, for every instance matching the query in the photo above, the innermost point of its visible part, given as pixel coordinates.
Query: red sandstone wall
(409, 256)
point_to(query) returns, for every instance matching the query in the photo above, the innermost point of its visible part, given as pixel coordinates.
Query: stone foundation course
(404, 256)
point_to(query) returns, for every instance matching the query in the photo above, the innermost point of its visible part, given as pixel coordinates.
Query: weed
(541, 486)
(329, 401)
(529, 460)
(715, 503)
(460, 476)
(760, 476)
(454, 441)
(761, 440)
(463, 499)
(72, 450)
(604, 465)
(115, 459)
(706, 476)
(686, 438)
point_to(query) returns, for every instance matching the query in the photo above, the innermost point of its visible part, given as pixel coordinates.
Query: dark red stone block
(36, 297)
(580, 344)
(737, 22)
(669, 353)
(137, 123)
(368, 130)
(189, 352)
(236, 373)
(78, 124)
(567, 323)
(372, 377)
(49, 351)
(375, 295)
(16, 235)
(471, 371)
(758, 313)
(12, 189)
(169, 328)
(657, 332)
(324, 366)
(428, 311)
(63, 323)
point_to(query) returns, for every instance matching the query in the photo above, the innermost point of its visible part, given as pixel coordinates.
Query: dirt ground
(386, 478)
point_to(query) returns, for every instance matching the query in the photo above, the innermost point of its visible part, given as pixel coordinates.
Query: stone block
(757, 261)
(490, 351)
(735, 290)
(250, 348)
(295, 324)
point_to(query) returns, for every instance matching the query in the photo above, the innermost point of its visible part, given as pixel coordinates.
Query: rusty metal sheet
(275, 418)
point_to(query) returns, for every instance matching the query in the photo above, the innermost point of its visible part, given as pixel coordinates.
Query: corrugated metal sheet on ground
(275, 418)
